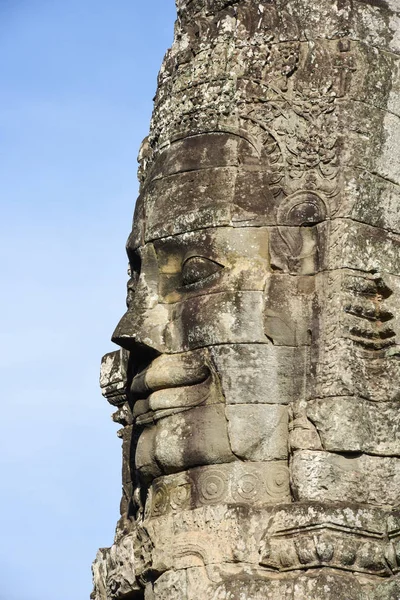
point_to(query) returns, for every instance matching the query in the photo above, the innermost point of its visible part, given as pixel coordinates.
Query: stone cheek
(221, 318)
(260, 373)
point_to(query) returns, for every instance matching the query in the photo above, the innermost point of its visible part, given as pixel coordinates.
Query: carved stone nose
(124, 334)
(142, 329)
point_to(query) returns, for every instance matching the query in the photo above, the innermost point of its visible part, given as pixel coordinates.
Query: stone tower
(258, 378)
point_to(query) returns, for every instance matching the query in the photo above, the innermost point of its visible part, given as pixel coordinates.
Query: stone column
(258, 381)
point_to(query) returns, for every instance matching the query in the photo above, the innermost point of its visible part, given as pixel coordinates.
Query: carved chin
(196, 437)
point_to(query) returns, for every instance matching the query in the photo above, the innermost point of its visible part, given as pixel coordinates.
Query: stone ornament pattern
(255, 484)
(211, 487)
(327, 545)
(271, 91)
(354, 538)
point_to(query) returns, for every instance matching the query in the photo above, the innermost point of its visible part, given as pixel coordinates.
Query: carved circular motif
(277, 482)
(160, 499)
(212, 487)
(247, 487)
(180, 496)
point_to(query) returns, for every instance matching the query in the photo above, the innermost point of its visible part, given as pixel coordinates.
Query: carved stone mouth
(170, 370)
(170, 401)
(171, 384)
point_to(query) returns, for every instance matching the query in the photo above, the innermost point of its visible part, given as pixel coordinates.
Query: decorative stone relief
(250, 483)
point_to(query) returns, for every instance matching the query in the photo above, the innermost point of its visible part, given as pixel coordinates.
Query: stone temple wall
(257, 383)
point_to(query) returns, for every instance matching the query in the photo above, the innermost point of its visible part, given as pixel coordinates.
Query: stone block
(353, 424)
(232, 259)
(196, 153)
(358, 345)
(298, 250)
(288, 309)
(349, 538)
(258, 432)
(239, 581)
(220, 318)
(253, 202)
(370, 199)
(114, 571)
(328, 477)
(260, 373)
(170, 586)
(362, 247)
(188, 201)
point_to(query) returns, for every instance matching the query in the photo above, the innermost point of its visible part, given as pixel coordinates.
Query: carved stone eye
(197, 269)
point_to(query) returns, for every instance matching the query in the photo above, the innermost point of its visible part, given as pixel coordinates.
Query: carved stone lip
(151, 417)
(170, 384)
(170, 401)
(170, 371)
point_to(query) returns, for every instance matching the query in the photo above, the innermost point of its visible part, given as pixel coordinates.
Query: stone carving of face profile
(214, 355)
(256, 381)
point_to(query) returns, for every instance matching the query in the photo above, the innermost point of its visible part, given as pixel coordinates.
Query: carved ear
(302, 209)
(294, 247)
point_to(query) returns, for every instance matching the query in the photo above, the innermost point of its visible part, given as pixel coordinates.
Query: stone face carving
(257, 383)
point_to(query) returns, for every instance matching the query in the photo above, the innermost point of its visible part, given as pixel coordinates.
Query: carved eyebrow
(196, 254)
(202, 257)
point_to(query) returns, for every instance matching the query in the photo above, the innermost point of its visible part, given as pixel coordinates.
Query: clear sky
(77, 82)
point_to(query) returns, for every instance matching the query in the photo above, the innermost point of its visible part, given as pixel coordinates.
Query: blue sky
(77, 81)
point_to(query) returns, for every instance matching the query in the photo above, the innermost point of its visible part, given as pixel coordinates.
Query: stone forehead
(214, 149)
(214, 180)
(201, 181)
(202, 151)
